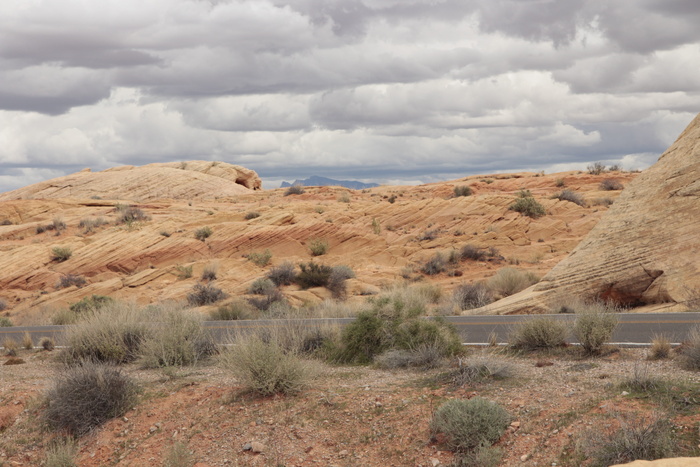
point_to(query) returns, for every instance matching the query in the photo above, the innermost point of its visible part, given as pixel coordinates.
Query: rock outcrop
(172, 180)
(644, 251)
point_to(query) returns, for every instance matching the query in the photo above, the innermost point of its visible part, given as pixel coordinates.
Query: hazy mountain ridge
(316, 180)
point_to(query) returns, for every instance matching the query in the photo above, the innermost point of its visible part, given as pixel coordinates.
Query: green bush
(528, 206)
(177, 338)
(318, 246)
(203, 233)
(477, 370)
(61, 253)
(465, 425)
(462, 190)
(594, 327)
(5, 322)
(264, 367)
(86, 395)
(539, 333)
(313, 275)
(205, 294)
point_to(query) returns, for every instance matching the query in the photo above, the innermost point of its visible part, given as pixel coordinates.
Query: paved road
(633, 327)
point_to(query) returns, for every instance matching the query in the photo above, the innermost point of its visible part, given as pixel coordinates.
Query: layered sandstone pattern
(172, 180)
(645, 249)
(142, 261)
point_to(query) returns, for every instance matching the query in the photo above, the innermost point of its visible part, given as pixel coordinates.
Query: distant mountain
(315, 180)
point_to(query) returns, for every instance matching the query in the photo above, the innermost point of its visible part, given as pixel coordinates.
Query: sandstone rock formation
(172, 180)
(644, 251)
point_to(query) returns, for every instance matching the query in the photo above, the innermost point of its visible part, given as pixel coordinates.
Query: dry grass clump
(264, 367)
(203, 233)
(61, 253)
(462, 190)
(635, 439)
(178, 456)
(470, 296)
(611, 184)
(69, 280)
(86, 395)
(435, 265)
(61, 453)
(660, 347)
(295, 190)
(209, 272)
(318, 246)
(284, 274)
(205, 294)
(480, 369)
(3, 305)
(425, 356)
(90, 224)
(261, 286)
(177, 338)
(508, 281)
(113, 334)
(571, 196)
(539, 333)
(260, 258)
(237, 309)
(11, 346)
(690, 350)
(130, 214)
(27, 342)
(252, 215)
(466, 425)
(594, 326)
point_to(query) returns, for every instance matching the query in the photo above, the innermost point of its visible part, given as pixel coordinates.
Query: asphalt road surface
(634, 328)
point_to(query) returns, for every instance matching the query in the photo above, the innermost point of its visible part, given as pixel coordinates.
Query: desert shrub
(68, 280)
(6, 222)
(113, 334)
(603, 202)
(559, 182)
(203, 233)
(265, 368)
(252, 215)
(268, 299)
(641, 381)
(3, 305)
(89, 224)
(336, 281)
(477, 370)
(690, 349)
(64, 316)
(61, 453)
(428, 235)
(27, 341)
(5, 322)
(261, 286)
(539, 333)
(462, 190)
(86, 395)
(130, 214)
(47, 343)
(318, 246)
(178, 456)
(61, 253)
(594, 326)
(209, 272)
(528, 206)
(232, 311)
(91, 303)
(284, 274)
(596, 168)
(11, 346)
(571, 196)
(205, 294)
(344, 198)
(508, 281)
(435, 265)
(361, 340)
(57, 224)
(635, 439)
(469, 296)
(465, 425)
(472, 252)
(40, 229)
(425, 356)
(183, 272)
(611, 184)
(313, 275)
(660, 347)
(260, 258)
(177, 338)
(615, 168)
(295, 190)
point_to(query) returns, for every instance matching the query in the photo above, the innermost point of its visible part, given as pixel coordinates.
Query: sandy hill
(385, 234)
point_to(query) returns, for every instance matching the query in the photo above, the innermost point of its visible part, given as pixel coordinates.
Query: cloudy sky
(393, 91)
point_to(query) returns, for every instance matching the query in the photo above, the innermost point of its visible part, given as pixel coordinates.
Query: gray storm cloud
(381, 90)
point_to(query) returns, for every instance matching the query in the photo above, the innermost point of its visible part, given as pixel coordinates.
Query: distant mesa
(171, 180)
(315, 180)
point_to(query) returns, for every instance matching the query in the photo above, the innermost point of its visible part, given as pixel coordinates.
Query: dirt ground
(351, 415)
